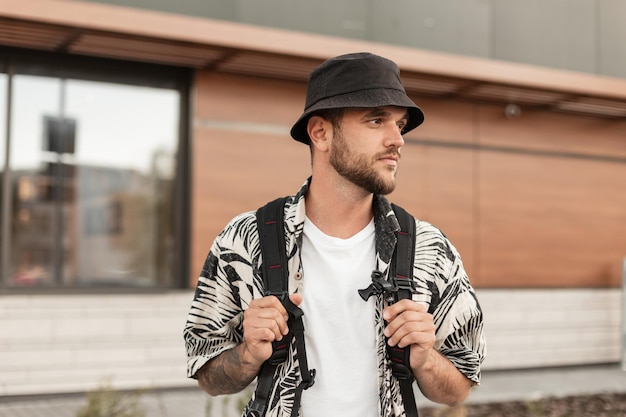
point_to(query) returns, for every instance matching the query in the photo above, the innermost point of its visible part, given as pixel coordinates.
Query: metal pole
(59, 189)
(5, 253)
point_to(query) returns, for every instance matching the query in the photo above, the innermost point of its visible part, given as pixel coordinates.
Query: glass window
(93, 166)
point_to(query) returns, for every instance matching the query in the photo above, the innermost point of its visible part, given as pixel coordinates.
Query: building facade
(129, 137)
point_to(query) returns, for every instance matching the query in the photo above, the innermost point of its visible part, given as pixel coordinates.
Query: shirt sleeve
(214, 322)
(459, 318)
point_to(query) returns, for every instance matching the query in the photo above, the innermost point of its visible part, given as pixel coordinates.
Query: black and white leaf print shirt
(231, 279)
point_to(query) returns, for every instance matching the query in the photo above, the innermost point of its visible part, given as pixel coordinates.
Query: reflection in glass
(33, 231)
(93, 166)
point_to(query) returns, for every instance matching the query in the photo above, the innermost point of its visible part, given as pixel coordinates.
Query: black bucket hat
(355, 80)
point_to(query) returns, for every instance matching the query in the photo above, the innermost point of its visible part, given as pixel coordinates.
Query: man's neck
(338, 211)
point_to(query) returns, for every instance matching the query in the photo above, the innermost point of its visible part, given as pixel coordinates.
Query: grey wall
(580, 35)
(136, 340)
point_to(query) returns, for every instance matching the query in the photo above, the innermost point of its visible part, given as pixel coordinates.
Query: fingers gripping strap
(258, 407)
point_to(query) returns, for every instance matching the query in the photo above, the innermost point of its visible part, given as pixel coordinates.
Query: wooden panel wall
(552, 205)
(536, 202)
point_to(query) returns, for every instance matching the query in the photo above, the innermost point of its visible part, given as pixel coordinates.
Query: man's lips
(390, 158)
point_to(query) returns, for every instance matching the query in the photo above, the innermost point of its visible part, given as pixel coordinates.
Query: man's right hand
(264, 321)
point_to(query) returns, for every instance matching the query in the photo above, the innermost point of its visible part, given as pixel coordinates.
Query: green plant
(536, 408)
(107, 402)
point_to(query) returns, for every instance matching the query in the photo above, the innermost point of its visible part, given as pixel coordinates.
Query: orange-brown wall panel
(249, 99)
(552, 211)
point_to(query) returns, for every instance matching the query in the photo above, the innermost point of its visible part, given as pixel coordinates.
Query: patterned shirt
(231, 279)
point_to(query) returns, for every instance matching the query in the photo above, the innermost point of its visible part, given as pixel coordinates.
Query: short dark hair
(334, 116)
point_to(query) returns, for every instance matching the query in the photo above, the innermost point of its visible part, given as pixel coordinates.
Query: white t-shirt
(338, 324)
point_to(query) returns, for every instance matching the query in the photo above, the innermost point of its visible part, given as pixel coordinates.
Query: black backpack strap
(402, 266)
(270, 223)
(398, 286)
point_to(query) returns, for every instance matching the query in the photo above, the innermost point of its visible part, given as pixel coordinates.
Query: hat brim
(370, 98)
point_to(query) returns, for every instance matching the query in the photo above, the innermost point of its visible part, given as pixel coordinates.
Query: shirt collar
(385, 221)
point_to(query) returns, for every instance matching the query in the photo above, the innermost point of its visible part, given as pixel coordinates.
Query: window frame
(27, 62)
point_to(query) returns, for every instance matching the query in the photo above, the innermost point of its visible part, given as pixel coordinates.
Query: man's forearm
(227, 373)
(441, 382)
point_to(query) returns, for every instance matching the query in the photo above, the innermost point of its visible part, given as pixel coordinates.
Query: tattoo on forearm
(226, 374)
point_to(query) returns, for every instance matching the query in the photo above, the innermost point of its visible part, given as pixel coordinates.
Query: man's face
(366, 147)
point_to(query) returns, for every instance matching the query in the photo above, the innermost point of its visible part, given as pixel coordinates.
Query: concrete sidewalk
(496, 386)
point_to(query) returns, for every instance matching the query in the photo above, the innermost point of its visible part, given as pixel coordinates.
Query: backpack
(270, 222)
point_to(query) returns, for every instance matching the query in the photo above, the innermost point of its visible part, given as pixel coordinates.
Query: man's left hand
(410, 324)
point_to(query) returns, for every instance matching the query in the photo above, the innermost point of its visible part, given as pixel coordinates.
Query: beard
(359, 169)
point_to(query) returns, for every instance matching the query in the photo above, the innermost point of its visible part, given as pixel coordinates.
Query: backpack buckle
(404, 283)
(378, 286)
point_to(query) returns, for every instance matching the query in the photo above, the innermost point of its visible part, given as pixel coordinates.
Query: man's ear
(319, 130)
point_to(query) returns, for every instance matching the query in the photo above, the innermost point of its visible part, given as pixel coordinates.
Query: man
(339, 228)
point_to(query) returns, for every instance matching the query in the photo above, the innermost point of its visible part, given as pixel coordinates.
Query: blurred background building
(131, 131)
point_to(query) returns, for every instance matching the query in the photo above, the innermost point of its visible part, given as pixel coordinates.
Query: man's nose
(394, 137)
